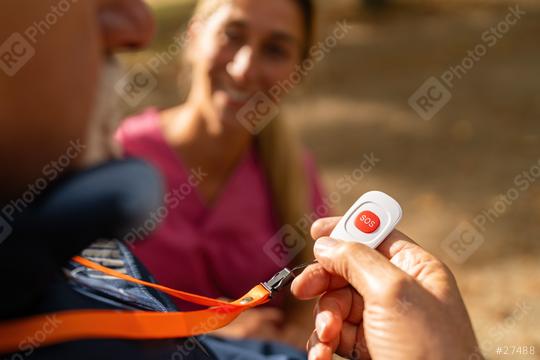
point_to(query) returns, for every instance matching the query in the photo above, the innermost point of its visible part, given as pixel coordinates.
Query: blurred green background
(444, 171)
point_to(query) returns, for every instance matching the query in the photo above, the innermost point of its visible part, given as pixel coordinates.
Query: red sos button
(367, 222)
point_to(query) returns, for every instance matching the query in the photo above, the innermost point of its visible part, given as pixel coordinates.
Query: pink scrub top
(215, 250)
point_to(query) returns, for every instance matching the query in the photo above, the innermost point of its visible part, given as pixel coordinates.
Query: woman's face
(245, 47)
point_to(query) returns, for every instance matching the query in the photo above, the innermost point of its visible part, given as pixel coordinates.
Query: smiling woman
(258, 177)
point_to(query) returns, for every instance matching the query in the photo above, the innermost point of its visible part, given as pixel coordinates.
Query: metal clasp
(283, 278)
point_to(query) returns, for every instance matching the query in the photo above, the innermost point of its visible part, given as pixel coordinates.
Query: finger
(332, 308)
(356, 314)
(352, 343)
(404, 253)
(336, 308)
(324, 226)
(314, 281)
(396, 242)
(367, 270)
(318, 350)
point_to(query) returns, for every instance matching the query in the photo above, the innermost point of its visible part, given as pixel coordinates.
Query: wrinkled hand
(399, 302)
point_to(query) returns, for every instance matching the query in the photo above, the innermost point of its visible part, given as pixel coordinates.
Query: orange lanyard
(121, 324)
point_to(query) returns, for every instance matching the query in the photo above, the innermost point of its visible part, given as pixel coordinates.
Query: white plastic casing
(384, 206)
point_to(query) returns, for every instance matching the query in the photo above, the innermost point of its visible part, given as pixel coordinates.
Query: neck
(199, 131)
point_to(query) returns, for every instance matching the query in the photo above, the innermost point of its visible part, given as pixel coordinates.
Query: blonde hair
(279, 152)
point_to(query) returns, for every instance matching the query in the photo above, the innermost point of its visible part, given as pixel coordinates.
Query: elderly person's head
(53, 57)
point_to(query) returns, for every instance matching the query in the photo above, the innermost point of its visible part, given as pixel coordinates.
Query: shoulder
(138, 125)
(139, 130)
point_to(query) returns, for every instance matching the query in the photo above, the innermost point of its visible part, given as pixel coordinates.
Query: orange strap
(119, 324)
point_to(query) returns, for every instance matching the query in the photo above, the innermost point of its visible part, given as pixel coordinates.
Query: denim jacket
(119, 293)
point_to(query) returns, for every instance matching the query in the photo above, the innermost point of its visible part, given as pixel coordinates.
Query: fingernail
(314, 353)
(321, 322)
(324, 245)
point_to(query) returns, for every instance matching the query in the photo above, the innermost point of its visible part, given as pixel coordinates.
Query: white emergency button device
(370, 220)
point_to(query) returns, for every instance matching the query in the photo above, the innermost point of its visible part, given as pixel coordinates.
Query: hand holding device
(370, 220)
(396, 302)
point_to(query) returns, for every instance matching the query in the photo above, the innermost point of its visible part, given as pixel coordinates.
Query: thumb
(367, 270)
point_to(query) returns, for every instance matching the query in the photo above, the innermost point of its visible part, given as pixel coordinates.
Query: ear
(126, 24)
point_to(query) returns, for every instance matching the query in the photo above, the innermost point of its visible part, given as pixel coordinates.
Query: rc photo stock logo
(468, 236)
(464, 241)
(283, 247)
(136, 85)
(142, 78)
(15, 52)
(430, 98)
(259, 111)
(435, 93)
